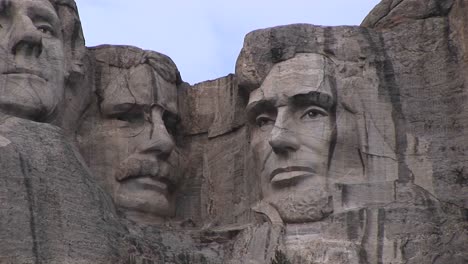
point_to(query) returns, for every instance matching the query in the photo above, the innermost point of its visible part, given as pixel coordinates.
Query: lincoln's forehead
(302, 74)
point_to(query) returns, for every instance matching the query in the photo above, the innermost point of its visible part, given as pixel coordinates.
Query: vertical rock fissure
(30, 200)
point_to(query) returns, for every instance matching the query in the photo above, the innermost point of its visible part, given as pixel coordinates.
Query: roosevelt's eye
(264, 120)
(171, 121)
(130, 117)
(313, 113)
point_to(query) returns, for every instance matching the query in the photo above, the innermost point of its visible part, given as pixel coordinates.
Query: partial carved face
(292, 130)
(131, 141)
(32, 63)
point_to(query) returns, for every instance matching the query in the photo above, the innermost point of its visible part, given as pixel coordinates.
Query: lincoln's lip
(26, 71)
(162, 185)
(294, 171)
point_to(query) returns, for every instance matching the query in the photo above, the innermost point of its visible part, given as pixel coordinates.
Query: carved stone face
(32, 67)
(292, 132)
(131, 143)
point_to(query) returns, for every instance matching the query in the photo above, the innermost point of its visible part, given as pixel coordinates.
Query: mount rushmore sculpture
(327, 145)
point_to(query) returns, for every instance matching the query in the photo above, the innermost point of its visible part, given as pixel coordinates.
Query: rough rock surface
(52, 210)
(413, 210)
(330, 145)
(212, 124)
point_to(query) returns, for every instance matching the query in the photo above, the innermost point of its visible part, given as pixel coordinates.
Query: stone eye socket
(263, 121)
(46, 29)
(313, 113)
(130, 116)
(170, 122)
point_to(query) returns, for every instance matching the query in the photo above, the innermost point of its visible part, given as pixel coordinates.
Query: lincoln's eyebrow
(255, 108)
(324, 100)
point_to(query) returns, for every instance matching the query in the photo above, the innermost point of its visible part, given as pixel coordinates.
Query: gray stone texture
(116, 160)
(401, 73)
(52, 210)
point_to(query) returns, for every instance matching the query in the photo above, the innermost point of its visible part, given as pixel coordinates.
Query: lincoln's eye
(313, 113)
(263, 121)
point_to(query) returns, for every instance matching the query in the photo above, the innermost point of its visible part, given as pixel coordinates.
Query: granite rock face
(330, 145)
(403, 206)
(126, 134)
(52, 210)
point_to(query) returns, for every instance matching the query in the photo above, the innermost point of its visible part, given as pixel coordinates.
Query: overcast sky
(204, 37)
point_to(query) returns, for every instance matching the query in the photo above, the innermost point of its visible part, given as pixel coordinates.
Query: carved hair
(365, 140)
(73, 40)
(114, 64)
(126, 57)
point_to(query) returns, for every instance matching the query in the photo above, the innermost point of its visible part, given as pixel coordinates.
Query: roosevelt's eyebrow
(114, 108)
(324, 100)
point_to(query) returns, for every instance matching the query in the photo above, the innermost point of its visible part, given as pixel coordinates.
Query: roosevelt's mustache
(136, 166)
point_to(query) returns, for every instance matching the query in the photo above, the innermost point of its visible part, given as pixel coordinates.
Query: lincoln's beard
(301, 207)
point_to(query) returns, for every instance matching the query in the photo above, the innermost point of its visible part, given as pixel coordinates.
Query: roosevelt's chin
(144, 201)
(302, 208)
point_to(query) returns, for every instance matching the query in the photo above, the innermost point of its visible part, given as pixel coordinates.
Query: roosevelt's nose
(282, 138)
(25, 38)
(160, 142)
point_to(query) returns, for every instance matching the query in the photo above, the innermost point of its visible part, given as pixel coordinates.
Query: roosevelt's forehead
(302, 74)
(141, 85)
